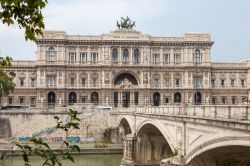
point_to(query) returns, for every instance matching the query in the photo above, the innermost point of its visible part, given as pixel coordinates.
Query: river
(80, 160)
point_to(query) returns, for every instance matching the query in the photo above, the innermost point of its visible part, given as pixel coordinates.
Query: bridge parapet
(218, 112)
(233, 117)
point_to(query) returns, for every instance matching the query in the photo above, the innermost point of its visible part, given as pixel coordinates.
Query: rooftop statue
(125, 23)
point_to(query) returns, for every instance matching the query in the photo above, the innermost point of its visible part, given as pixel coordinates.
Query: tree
(6, 84)
(26, 13)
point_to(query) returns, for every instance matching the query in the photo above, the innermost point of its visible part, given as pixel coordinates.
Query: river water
(80, 160)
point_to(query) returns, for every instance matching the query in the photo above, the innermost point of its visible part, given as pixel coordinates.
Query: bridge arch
(226, 150)
(153, 143)
(125, 127)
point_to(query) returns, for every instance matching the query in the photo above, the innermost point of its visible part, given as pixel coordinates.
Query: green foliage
(6, 84)
(42, 149)
(100, 145)
(27, 13)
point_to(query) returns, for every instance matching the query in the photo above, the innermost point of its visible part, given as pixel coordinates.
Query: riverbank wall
(108, 150)
(20, 125)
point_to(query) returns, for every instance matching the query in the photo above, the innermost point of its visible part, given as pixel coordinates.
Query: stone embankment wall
(21, 124)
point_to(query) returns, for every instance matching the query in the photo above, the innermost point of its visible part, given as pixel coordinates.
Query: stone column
(129, 150)
(131, 56)
(132, 99)
(119, 100)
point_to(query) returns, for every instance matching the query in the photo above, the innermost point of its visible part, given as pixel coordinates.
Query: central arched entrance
(126, 95)
(151, 146)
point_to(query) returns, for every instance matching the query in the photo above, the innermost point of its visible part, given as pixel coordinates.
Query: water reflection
(80, 160)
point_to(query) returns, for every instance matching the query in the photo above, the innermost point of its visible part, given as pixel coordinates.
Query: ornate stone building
(127, 68)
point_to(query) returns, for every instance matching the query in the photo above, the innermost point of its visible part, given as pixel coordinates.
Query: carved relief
(32, 75)
(145, 78)
(72, 48)
(83, 48)
(21, 75)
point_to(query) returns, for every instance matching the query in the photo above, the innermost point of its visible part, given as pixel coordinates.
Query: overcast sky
(228, 22)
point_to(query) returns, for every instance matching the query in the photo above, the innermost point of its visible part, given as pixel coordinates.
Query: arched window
(197, 56)
(94, 98)
(177, 97)
(125, 55)
(114, 55)
(51, 99)
(72, 98)
(156, 98)
(51, 54)
(136, 56)
(197, 98)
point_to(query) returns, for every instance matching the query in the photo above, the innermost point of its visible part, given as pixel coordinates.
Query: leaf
(66, 143)
(20, 146)
(69, 157)
(75, 147)
(25, 158)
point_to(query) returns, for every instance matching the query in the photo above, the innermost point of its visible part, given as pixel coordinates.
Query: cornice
(126, 42)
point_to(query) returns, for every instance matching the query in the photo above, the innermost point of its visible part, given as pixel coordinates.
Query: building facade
(126, 68)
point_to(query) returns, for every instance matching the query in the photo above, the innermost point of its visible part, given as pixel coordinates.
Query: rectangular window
(177, 58)
(83, 99)
(94, 57)
(222, 83)
(156, 82)
(21, 83)
(72, 57)
(83, 82)
(167, 100)
(136, 98)
(156, 59)
(51, 80)
(10, 100)
(243, 83)
(51, 54)
(21, 100)
(32, 83)
(83, 57)
(166, 58)
(32, 101)
(94, 82)
(197, 58)
(232, 82)
(233, 100)
(72, 81)
(177, 82)
(197, 81)
(213, 83)
(167, 82)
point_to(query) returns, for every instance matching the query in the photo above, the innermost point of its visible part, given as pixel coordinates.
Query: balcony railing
(206, 111)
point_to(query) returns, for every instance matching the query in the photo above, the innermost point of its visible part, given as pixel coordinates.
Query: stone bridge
(185, 135)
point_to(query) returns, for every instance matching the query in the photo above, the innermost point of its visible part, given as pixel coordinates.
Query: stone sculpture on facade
(125, 23)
